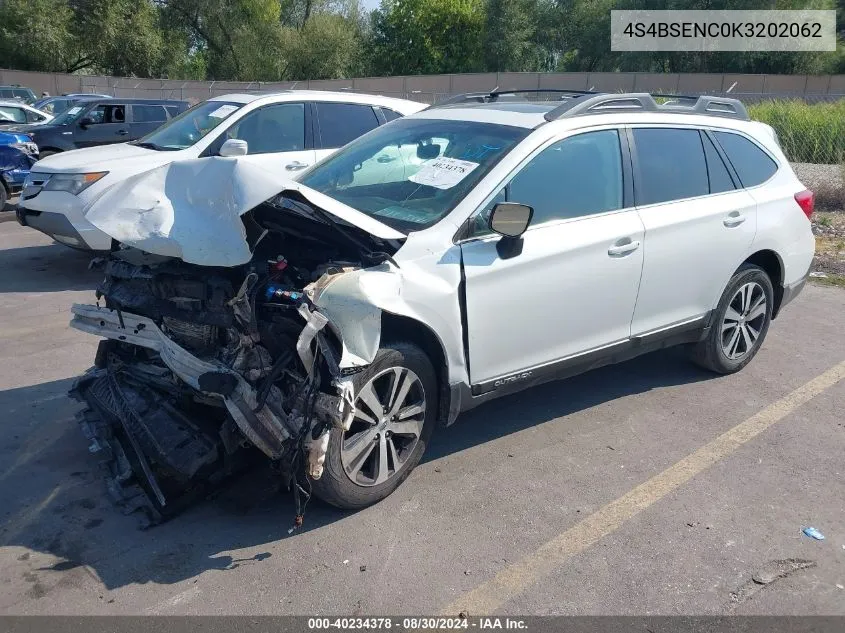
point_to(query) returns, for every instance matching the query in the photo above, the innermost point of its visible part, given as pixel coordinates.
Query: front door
(104, 124)
(569, 285)
(277, 138)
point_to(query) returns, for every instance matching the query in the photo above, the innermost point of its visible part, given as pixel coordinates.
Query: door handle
(623, 247)
(296, 166)
(735, 218)
(385, 159)
(122, 132)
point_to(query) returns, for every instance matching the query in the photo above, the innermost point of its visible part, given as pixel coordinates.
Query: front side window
(273, 128)
(106, 114)
(752, 164)
(11, 114)
(577, 176)
(190, 126)
(671, 165)
(341, 123)
(413, 172)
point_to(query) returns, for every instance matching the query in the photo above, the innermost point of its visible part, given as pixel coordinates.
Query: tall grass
(808, 133)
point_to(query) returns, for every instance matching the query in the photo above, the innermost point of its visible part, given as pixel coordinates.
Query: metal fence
(433, 88)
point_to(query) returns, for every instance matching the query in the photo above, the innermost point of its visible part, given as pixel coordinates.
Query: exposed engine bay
(207, 370)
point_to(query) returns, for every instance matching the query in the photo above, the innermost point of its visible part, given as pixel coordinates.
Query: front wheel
(396, 399)
(740, 323)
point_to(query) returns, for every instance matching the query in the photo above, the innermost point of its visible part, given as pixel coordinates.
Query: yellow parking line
(515, 578)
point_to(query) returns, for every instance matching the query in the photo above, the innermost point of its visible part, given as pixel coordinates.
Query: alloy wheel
(744, 320)
(388, 423)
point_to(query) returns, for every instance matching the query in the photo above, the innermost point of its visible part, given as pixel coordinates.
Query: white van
(283, 132)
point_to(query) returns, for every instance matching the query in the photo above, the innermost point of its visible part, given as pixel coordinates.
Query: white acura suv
(283, 132)
(447, 258)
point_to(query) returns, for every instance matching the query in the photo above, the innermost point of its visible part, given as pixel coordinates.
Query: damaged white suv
(447, 258)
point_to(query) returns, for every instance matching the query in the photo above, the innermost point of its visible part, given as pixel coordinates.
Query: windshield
(68, 117)
(190, 126)
(410, 173)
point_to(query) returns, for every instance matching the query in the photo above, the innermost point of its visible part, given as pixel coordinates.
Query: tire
(4, 197)
(726, 348)
(46, 153)
(336, 486)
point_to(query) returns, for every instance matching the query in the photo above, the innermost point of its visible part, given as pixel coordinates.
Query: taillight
(807, 201)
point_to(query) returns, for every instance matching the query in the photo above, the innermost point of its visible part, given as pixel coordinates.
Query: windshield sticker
(401, 213)
(75, 109)
(223, 111)
(443, 173)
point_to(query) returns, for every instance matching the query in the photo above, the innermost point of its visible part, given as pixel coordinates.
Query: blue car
(17, 154)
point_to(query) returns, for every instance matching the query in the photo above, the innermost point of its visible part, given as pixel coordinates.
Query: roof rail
(644, 102)
(493, 95)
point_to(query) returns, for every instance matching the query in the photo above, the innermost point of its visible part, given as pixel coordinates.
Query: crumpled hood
(191, 209)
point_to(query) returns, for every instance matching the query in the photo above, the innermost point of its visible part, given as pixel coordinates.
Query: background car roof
(404, 106)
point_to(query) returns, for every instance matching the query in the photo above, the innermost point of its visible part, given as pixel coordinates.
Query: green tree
(510, 29)
(427, 36)
(40, 35)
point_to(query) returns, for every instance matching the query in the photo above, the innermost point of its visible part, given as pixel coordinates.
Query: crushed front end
(206, 371)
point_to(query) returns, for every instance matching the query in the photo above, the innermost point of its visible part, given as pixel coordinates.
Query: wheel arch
(396, 327)
(772, 264)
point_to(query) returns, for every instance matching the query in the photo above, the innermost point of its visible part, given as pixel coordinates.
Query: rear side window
(752, 164)
(720, 179)
(148, 113)
(344, 122)
(671, 165)
(173, 110)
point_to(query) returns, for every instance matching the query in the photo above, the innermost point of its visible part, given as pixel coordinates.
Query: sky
(369, 5)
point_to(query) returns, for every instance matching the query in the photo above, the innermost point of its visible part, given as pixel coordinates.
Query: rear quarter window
(752, 164)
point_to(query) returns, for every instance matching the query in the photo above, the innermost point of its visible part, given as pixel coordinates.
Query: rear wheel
(396, 411)
(740, 324)
(4, 197)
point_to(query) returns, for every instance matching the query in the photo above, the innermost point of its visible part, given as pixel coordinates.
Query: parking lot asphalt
(650, 487)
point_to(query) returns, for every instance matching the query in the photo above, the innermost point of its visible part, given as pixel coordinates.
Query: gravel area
(827, 181)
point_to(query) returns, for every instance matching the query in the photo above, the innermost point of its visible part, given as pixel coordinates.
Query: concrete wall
(432, 88)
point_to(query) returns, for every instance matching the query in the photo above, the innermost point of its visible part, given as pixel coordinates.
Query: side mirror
(85, 122)
(234, 147)
(510, 219)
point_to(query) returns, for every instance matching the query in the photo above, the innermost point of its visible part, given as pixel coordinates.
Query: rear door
(336, 124)
(107, 124)
(699, 224)
(145, 118)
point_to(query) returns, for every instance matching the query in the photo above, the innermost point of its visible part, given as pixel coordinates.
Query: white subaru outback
(447, 258)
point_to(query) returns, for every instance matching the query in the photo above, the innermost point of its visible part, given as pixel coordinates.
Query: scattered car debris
(766, 575)
(813, 533)
(362, 568)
